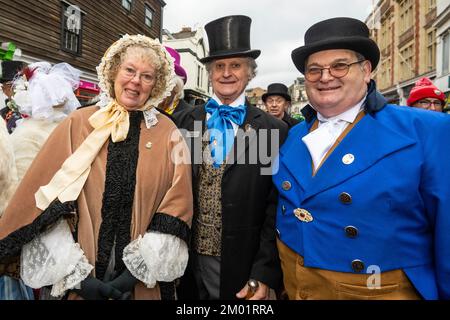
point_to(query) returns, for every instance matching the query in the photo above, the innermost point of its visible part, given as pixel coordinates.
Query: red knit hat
(424, 88)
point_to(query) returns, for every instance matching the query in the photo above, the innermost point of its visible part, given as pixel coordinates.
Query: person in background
(44, 96)
(175, 103)
(11, 288)
(426, 95)
(105, 208)
(233, 238)
(9, 70)
(277, 100)
(364, 197)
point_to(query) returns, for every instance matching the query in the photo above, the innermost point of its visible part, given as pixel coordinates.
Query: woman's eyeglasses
(337, 70)
(130, 73)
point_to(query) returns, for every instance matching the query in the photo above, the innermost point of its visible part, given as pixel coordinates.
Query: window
(148, 16)
(385, 79)
(431, 50)
(127, 4)
(199, 72)
(385, 34)
(406, 15)
(71, 28)
(430, 5)
(446, 54)
(406, 62)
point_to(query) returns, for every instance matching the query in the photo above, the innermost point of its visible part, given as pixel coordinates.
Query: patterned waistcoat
(207, 223)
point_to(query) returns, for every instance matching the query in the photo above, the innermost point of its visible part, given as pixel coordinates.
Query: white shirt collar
(240, 101)
(348, 116)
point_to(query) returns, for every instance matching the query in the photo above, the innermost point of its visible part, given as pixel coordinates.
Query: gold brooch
(303, 215)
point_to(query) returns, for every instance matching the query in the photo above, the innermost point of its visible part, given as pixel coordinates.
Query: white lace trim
(53, 258)
(80, 272)
(156, 257)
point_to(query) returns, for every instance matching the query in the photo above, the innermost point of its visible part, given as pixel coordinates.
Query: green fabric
(8, 53)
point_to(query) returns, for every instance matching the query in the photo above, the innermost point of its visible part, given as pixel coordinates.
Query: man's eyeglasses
(337, 70)
(428, 103)
(130, 73)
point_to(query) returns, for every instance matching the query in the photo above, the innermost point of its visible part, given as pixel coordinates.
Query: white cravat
(320, 141)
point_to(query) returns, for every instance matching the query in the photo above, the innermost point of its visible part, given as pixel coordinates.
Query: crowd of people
(143, 196)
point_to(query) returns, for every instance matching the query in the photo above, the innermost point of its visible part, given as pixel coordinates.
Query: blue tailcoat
(399, 183)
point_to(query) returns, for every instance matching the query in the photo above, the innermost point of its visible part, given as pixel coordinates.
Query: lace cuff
(53, 258)
(156, 257)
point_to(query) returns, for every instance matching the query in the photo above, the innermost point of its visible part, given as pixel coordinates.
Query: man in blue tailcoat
(364, 186)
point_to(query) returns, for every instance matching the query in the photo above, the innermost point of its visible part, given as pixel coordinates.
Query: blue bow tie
(221, 133)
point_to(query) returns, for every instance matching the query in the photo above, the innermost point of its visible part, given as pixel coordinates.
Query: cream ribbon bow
(67, 183)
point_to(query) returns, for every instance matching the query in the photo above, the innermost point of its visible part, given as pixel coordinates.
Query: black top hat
(9, 70)
(276, 89)
(337, 33)
(229, 37)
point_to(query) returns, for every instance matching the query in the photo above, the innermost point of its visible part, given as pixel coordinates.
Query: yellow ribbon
(68, 181)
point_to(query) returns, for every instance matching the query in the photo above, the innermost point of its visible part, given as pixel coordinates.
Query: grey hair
(178, 90)
(251, 62)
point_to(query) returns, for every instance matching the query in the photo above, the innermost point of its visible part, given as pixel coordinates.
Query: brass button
(358, 266)
(286, 186)
(345, 198)
(348, 159)
(351, 232)
(303, 215)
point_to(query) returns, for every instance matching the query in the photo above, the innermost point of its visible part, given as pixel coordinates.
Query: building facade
(442, 25)
(405, 31)
(254, 96)
(76, 31)
(298, 95)
(191, 46)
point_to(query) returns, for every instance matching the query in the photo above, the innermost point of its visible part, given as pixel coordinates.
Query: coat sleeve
(21, 210)
(8, 173)
(435, 190)
(178, 200)
(267, 267)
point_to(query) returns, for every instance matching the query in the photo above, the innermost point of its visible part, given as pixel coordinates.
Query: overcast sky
(278, 26)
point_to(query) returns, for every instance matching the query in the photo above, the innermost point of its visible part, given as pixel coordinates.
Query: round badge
(348, 159)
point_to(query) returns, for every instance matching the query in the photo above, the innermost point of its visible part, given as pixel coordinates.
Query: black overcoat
(248, 203)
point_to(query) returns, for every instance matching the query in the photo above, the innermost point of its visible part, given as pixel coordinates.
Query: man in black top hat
(233, 234)
(9, 69)
(364, 197)
(277, 101)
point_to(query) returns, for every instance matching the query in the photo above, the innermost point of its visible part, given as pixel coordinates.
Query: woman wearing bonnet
(105, 208)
